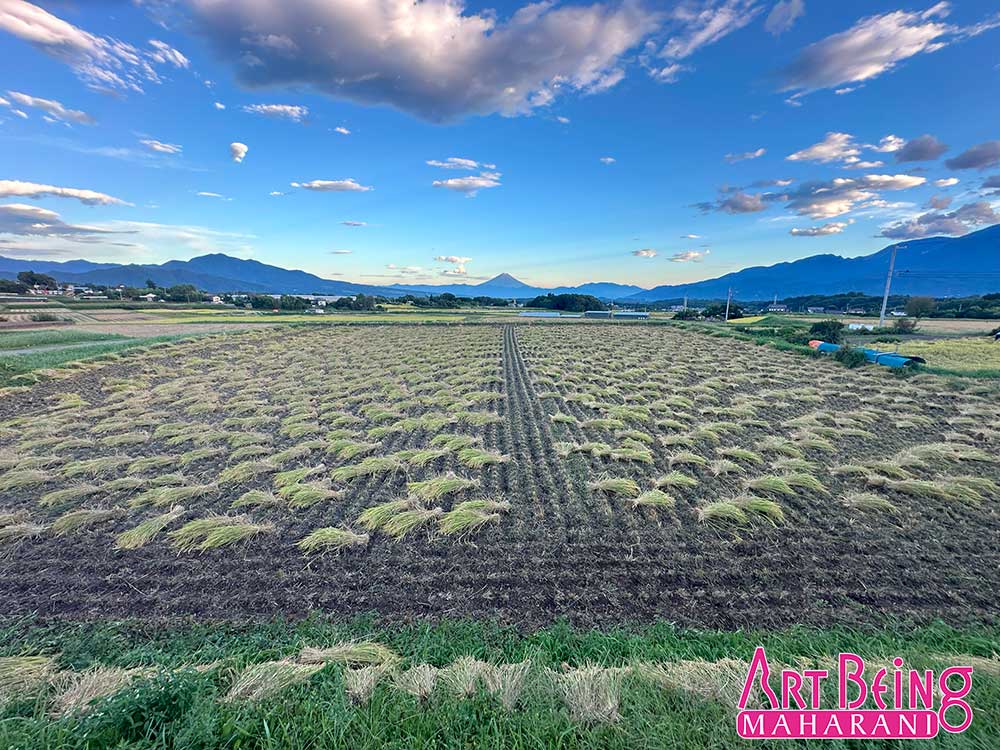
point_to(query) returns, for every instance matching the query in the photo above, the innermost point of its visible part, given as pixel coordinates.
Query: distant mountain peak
(506, 281)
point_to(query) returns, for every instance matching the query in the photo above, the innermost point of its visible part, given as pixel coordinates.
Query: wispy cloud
(348, 185)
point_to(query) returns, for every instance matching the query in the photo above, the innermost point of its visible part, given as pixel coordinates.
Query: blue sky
(587, 142)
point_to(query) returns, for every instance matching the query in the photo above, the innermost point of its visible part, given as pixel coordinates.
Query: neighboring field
(464, 489)
(961, 355)
(49, 337)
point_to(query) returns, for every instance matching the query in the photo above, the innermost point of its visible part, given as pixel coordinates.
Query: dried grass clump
(870, 502)
(18, 532)
(723, 466)
(361, 683)
(257, 499)
(687, 458)
(21, 478)
(246, 470)
(463, 676)
(173, 495)
(75, 520)
(331, 539)
(722, 513)
(436, 488)
(80, 690)
(653, 499)
(676, 479)
(295, 476)
(21, 676)
(368, 467)
(418, 680)
(772, 485)
(453, 442)
(68, 494)
(307, 494)
(720, 681)
(260, 681)
(215, 531)
(591, 693)
(470, 515)
(476, 458)
(148, 529)
(94, 467)
(619, 486)
(507, 682)
(350, 653)
(403, 523)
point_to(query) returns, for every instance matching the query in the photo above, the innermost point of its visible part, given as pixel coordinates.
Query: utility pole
(888, 283)
(728, 300)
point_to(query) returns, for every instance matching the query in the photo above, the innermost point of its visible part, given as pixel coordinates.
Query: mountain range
(936, 266)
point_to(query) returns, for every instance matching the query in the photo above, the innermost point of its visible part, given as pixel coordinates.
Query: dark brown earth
(561, 552)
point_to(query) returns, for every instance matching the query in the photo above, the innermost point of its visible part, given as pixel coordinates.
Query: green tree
(183, 293)
(150, 284)
(7, 286)
(918, 307)
(30, 278)
(718, 310)
(830, 331)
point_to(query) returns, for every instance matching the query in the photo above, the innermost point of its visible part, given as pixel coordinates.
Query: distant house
(815, 310)
(605, 314)
(831, 311)
(856, 311)
(777, 308)
(532, 314)
(216, 300)
(149, 297)
(898, 313)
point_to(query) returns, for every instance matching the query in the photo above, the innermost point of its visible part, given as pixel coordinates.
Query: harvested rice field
(577, 532)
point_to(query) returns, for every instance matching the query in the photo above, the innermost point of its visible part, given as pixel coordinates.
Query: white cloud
(165, 54)
(699, 24)
(333, 186)
(826, 200)
(690, 236)
(435, 59)
(889, 144)
(644, 253)
(219, 105)
(833, 227)
(875, 45)
(455, 162)
(562, 120)
(54, 108)
(607, 160)
(341, 252)
(275, 193)
(354, 223)
(457, 261)
(16, 188)
(783, 16)
(733, 158)
(405, 270)
(946, 182)
(470, 185)
(160, 147)
(835, 147)
(23, 220)
(689, 256)
(342, 130)
(293, 112)
(206, 194)
(238, 151)
(865, 164)
(103, 63)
